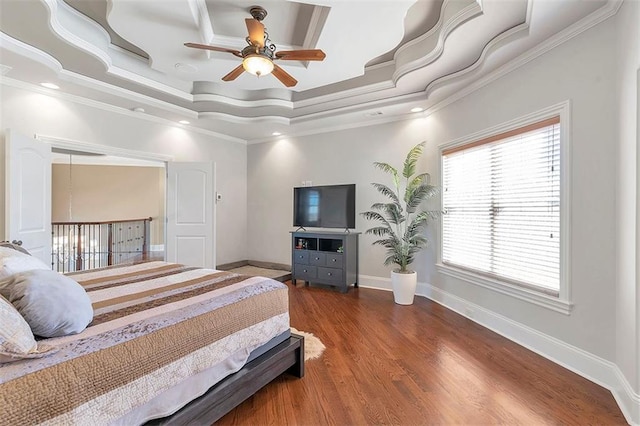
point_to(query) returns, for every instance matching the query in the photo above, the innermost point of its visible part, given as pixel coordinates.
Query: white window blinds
(502, 206)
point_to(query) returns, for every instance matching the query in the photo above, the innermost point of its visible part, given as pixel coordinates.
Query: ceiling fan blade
(284, 77)
(215, 48)
(256, 32)
(234, 74)
(301, 55)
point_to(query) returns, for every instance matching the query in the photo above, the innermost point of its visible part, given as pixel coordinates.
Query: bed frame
(287, 357)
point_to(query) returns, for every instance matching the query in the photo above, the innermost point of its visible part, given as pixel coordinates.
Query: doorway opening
(105, 210)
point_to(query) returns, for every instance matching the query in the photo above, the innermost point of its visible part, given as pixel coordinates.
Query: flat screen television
(329, 206)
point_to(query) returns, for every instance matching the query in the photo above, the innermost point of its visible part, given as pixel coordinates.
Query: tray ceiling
(383, 56)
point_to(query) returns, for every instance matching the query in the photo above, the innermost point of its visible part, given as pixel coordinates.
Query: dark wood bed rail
(287, 357)
(76, 246)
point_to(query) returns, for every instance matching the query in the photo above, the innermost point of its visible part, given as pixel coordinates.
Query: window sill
(528, 295)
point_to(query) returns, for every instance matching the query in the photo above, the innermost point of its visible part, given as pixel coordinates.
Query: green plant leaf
(418, 195)
(388, 168)
(386, 191)
(400, 229)
(412, 158)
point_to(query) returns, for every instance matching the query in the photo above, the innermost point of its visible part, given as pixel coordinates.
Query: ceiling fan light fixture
(257, 65)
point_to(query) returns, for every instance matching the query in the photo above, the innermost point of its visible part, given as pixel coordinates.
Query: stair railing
(78, 246)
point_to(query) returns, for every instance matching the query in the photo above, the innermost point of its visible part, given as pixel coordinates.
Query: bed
(166, 343)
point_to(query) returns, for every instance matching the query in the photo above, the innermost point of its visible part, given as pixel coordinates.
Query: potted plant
(402, 222)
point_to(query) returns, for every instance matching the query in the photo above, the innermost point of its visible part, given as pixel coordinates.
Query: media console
(325, 258)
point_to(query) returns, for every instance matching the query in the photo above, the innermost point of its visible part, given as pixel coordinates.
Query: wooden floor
(414, 365)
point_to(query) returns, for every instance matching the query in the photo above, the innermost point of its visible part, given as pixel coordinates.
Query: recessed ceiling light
(49, 85)
(417, 109)
(138, 109)
(183, 122)
(276, 133)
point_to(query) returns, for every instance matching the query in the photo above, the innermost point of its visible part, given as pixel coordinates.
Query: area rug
(313, 347)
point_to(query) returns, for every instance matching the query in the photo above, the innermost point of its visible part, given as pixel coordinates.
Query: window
(502, 207)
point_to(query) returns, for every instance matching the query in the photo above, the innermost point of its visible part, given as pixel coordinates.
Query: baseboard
(256, 263)
(376, 283)
(269, 265)
(232, 265)
(588, 365)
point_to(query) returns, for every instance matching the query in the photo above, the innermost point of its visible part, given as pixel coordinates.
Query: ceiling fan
(258, 56)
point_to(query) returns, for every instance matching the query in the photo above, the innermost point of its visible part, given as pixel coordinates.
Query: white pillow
(53, 305)
(13, 261)
(16, 339)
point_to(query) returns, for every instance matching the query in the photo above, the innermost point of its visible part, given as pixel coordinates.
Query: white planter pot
(404, 287)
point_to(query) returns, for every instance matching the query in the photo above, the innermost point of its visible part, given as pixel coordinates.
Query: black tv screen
(331, 206)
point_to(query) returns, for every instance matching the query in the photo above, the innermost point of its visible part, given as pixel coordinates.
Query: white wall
(628, 195)
(584, 71)
(30, 112)
(343, 157)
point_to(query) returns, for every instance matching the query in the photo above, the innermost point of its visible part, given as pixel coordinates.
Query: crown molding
(271, 119)
(337, 128)
(586, 23)
(600, 15)
(320, 105)
(108, 88)
(110, 108)
(433, 40)
(490, 47)
(24, 49)
(69, 37)
(225, 100)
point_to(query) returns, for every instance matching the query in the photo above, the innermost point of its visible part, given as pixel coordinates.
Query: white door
(190, 214)
(28, 194)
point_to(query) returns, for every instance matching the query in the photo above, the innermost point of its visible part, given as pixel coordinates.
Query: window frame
(562, 302)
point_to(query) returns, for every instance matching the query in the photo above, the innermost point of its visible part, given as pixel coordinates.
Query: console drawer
(301, 256)
(330, 275)
(334, 260)
(305, 272)
(318, 259)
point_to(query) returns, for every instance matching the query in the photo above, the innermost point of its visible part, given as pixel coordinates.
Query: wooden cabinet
(329, 258)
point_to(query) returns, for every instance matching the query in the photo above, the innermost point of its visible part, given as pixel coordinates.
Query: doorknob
(17, 242)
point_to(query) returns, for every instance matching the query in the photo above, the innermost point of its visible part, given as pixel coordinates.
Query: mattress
(162, 334)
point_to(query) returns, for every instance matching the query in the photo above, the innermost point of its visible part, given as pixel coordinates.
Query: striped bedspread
(156, 325)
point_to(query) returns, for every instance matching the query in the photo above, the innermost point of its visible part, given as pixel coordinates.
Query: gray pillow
(53, 305)
(16, 339)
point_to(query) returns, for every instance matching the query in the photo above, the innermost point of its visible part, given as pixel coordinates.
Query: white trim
(522, 293)
(440, 31)
(115, 109)
(598, 370)
(562, 303)
(101, 149)
(243, 103)
(586, 23)
(376, 283)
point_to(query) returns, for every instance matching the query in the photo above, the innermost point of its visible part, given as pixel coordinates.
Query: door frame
(72, 145)
(102, 149)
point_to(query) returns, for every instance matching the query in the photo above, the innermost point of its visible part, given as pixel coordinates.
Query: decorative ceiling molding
(490, 46)
(425, 49)
(201, 18)
(61, 12)
(447, 62)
